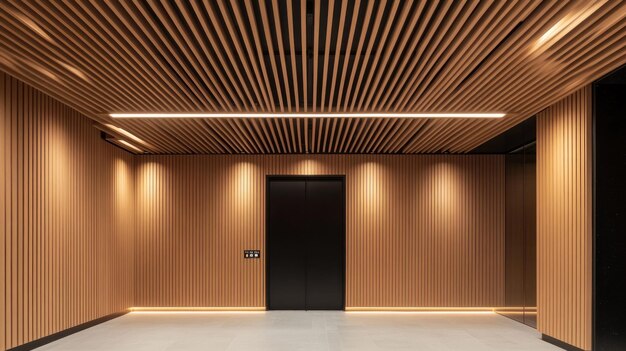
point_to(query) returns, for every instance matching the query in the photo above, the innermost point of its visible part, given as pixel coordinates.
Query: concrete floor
(297, 330)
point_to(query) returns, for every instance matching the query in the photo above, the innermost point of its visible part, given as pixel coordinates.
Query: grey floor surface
(298, 330)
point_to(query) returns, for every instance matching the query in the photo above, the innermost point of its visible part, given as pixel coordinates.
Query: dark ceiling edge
(521, 134)
(524, 133)
(617, 76)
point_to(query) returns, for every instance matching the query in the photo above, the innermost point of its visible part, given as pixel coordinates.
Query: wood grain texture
(67, 218)
(422, 231)
(564, 219)
(4, 145)
(103, 57)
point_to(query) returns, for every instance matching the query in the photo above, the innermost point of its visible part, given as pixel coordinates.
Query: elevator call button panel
(251, 253)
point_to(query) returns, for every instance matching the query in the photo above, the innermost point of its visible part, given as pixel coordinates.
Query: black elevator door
(305, 244)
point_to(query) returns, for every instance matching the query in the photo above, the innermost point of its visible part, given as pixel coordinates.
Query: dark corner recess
(111, 140)
(518, 145)
(108, 138)
(559, 343)
(520, 265)
(115, 141)
(609, 212)
(520, 135)
(67, 332)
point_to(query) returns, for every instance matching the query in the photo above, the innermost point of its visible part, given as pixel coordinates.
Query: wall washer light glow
(307, 115)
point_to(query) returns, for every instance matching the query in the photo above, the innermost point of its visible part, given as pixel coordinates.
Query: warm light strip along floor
(365, 310)
(350, 312)
(197, 309)
(422, 312)
(424, 309)
(307, 115)
(215, 312)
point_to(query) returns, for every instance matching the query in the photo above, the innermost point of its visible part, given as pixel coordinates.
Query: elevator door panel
(286, 279)
(324, 245)
(306, 249)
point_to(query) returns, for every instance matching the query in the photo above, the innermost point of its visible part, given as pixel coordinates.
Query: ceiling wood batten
(101, 57)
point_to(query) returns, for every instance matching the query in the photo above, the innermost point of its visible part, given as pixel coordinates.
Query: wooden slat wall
(66, 211)
(564, 214)
(422, 231)
(3, 201)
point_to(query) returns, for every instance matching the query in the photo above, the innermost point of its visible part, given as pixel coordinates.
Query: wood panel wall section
(66, 218)
(422, 231)
(564, 220)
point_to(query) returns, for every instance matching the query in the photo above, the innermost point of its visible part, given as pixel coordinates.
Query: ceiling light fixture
(130, 146)
(125, 133)
(307, 115)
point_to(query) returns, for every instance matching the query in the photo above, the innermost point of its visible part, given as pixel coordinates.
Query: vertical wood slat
(564, 210)
(3, 200)
(67, 222)
(422, 231)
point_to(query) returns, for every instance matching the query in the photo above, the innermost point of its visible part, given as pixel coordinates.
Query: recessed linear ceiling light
(129, 145)
(307, 115)
(125, 133)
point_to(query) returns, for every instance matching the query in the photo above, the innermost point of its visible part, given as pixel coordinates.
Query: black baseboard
(559, 343)
(63, 333)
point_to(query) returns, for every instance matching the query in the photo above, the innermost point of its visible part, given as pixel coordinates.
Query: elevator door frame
(270, 178)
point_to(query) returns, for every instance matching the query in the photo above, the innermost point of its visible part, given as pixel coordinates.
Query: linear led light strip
(198, 309)
(129, 145)
(307, 115)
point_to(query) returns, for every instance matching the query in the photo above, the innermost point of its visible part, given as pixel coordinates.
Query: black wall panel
(610, 213)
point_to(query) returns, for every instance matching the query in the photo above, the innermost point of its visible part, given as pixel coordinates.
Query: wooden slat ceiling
(311, 56)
